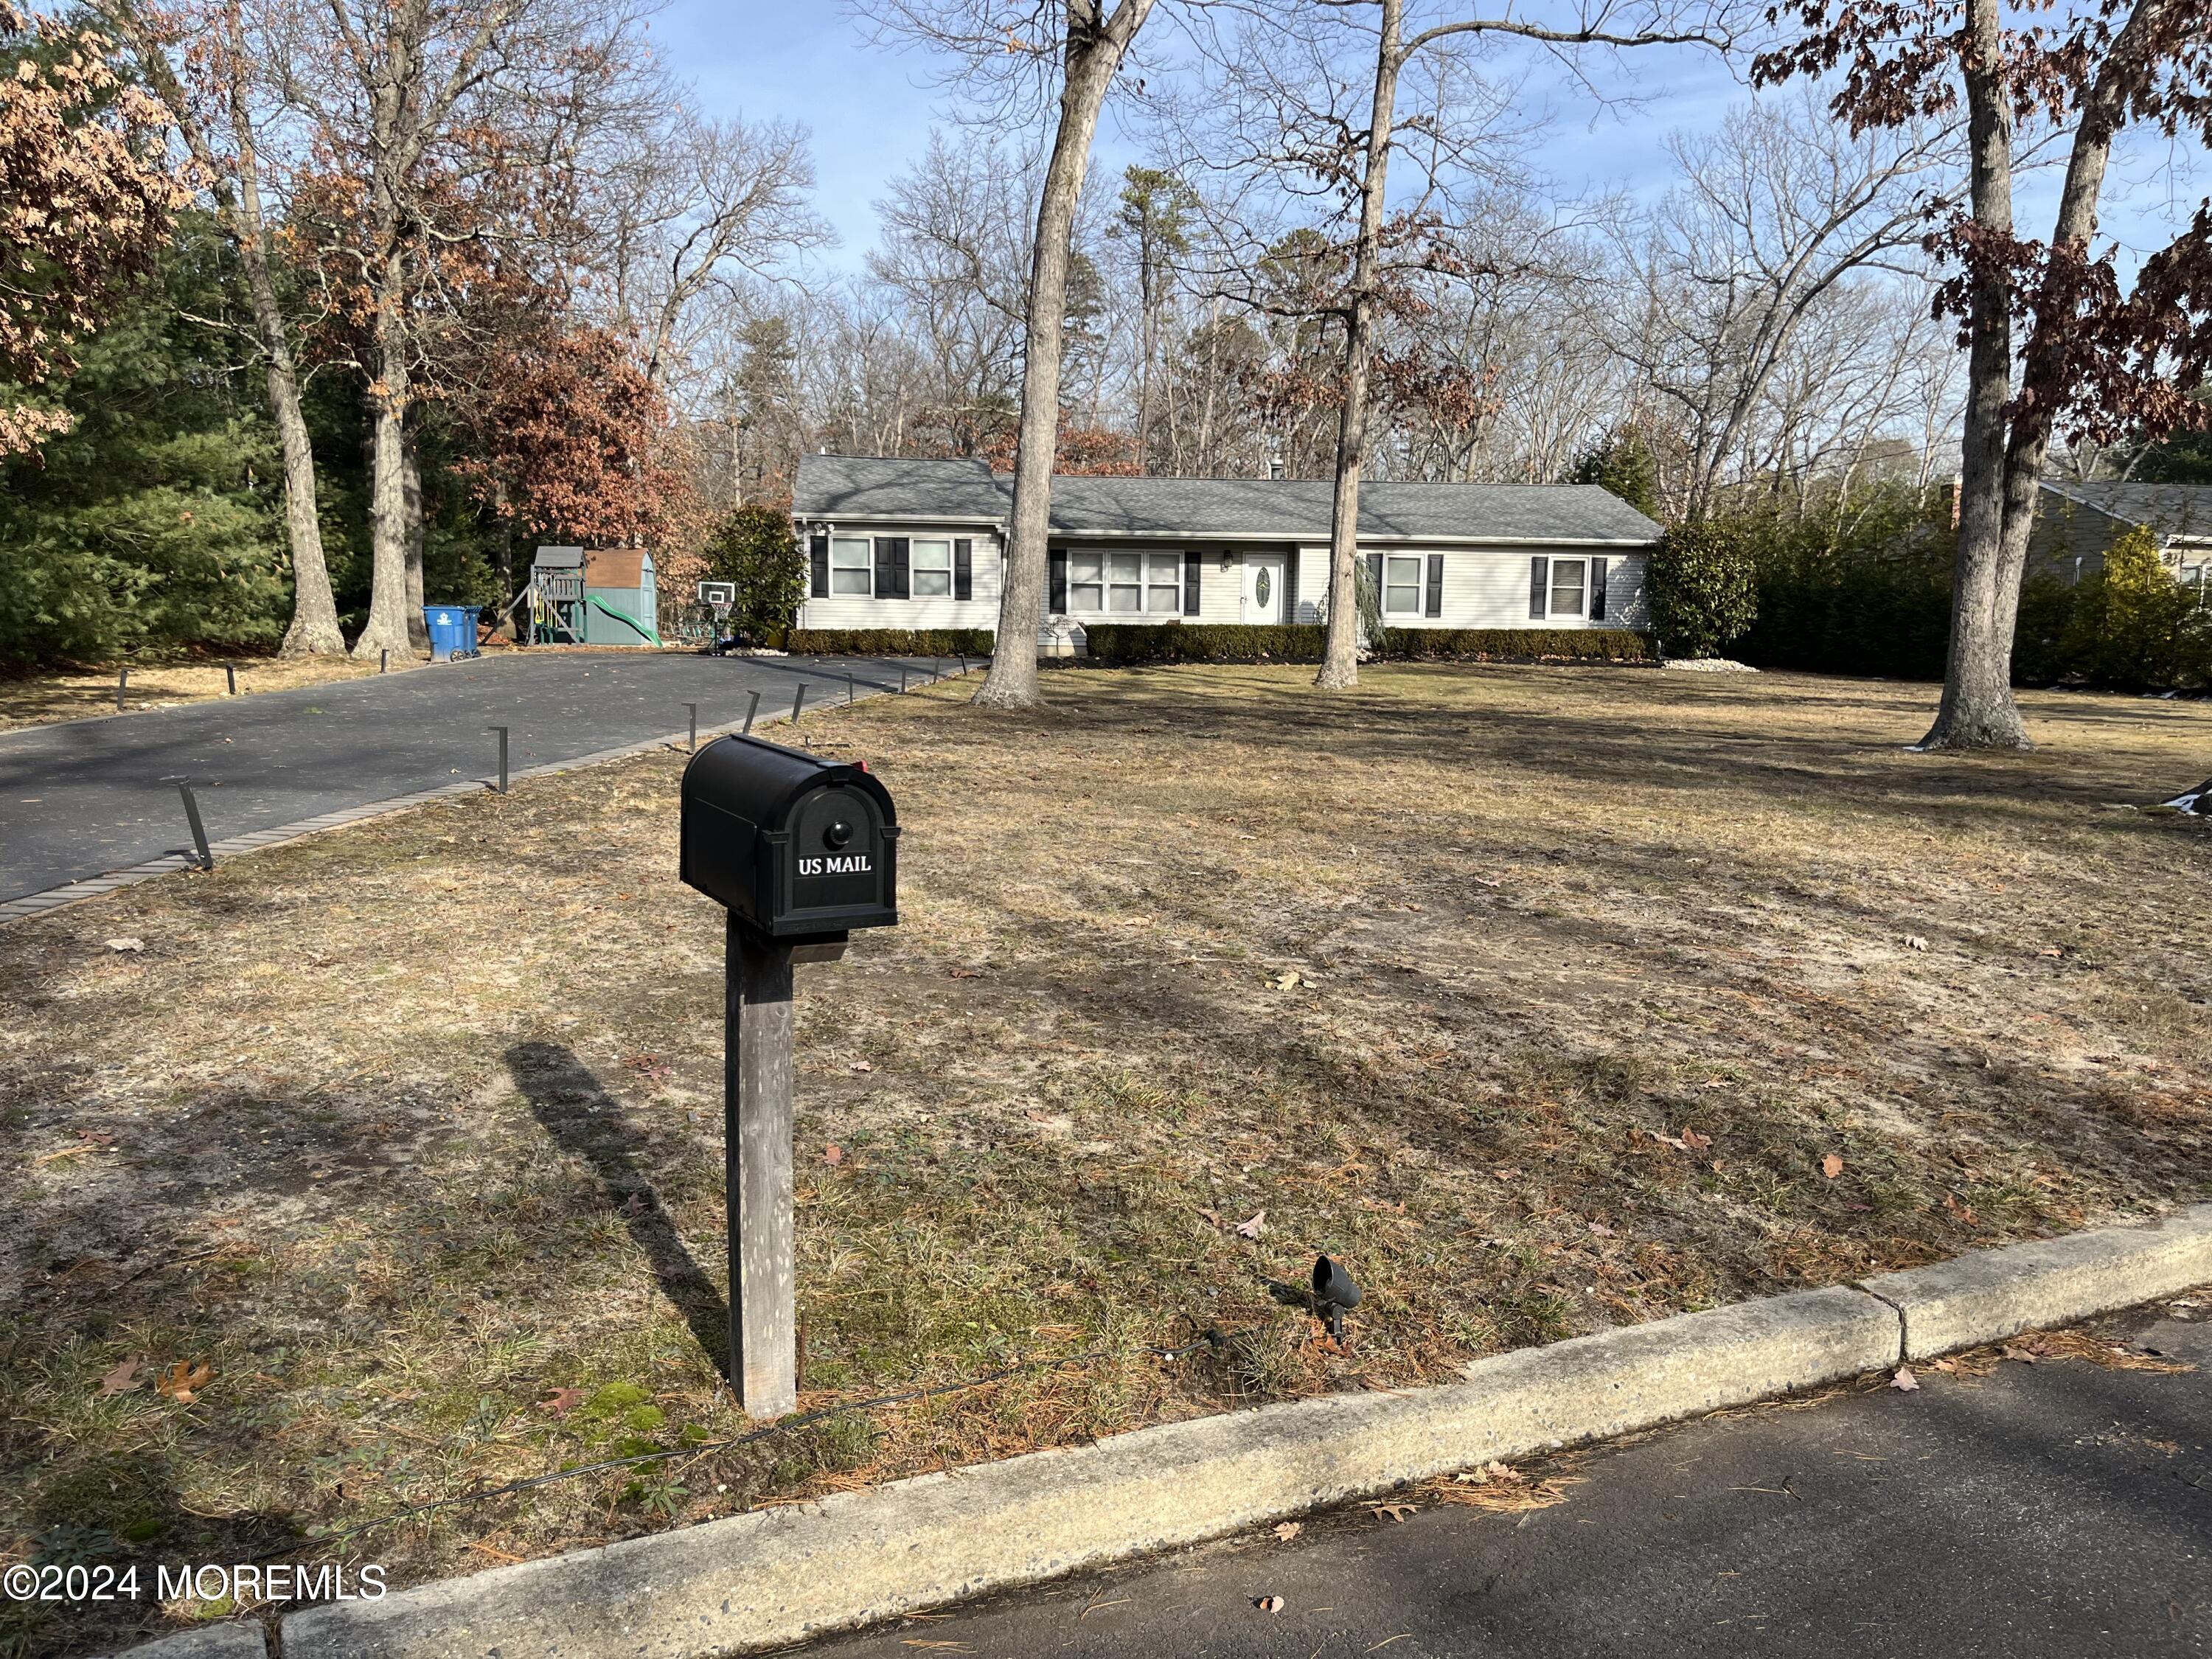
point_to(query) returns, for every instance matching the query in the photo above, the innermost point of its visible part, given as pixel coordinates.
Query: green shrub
(1704, 585)
(756, 550)
(1577, 644)
(889, 642)
(1116, 645)
(2132, 626)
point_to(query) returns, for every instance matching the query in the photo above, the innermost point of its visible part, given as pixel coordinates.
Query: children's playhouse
(593, 596)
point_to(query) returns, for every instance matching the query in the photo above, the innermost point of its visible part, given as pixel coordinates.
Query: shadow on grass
(585, 1120)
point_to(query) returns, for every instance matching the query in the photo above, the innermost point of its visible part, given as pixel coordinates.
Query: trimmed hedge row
(1120, 644)
(889, 642)
(1576, 644)
(1117, 645)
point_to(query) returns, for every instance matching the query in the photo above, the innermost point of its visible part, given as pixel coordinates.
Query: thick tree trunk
(411, 500)
(1094, 53)
(314, 626)
(1978, 710)
(1340, 665)
(389, 385)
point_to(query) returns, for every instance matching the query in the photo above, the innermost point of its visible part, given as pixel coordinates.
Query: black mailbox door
(840, 863)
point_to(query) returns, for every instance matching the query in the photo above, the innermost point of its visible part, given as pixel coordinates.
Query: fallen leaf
(1676, 1141)
(1215, 1215)
(122, 1379)
(561, 1402)
(184, 1380)
(1831, 1166)
(965, 973)
(126, 944)
(1288, 1530)
(864, 1066)
(1914, 942)
(1693, 1141)
(1905, 1380)
(1396, 1511)
(1285, 981)
(1601, 1229)
(1037, 1116)
(1943, 1365)
(833, 1154)
(2014, 1351)
(1496, 1471)
(2050, 950)
(1253, 1225)
(1270, 1604)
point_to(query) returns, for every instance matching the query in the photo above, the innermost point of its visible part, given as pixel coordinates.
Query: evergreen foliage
(757, 549)
(1704, 585)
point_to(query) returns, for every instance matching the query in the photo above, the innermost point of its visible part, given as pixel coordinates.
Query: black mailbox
(802, 848)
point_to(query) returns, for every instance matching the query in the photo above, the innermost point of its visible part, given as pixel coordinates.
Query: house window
(851, 569)
(1401, 587)
(931, 569)
(1568, 580)
(1125, 584)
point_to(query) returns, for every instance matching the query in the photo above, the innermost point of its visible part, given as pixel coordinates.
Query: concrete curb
(777, 1576)
(780, 1575)
(1993, 1294)
(38, 904)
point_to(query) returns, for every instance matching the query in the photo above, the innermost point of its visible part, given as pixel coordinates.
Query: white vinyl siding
(856, 606)
(1487, 586)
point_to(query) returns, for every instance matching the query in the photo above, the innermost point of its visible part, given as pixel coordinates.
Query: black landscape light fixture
(1334, 1291)
(800, 851)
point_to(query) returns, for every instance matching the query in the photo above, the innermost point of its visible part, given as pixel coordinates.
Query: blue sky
(869, 109)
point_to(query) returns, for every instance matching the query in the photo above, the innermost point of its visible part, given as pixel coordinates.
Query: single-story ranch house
(919, 543)
(2075, 523)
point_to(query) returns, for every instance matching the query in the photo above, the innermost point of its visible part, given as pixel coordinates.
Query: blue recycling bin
(453, 630)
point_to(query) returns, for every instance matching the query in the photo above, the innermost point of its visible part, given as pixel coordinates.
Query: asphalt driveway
(86, 797)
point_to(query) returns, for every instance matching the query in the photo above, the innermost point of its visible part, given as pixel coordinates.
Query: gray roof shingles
(867, 487)
(2183, 510)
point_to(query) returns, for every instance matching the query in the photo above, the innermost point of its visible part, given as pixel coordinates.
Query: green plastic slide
(621, 617)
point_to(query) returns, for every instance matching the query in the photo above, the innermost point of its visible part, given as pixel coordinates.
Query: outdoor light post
(800, 851)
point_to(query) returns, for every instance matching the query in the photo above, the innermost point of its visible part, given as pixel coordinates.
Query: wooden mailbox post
(800, 851)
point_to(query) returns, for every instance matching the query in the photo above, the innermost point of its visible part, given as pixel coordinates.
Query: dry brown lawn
(79, 694)
(1543, 997)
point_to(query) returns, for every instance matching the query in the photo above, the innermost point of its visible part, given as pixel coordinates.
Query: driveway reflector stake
(384, 662)
(203, 854)
(694, 707)
(230, 673)
(502, 755)
(798, 701)
(901, 679)
(752, 709)
(849, 691)
(122, 684)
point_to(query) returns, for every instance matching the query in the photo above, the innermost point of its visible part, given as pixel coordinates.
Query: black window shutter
(1435, 596)
(1375, 575)
(1190, 584)
(1597, 590)
(902, 580)
(817, 551)
(1539, 576)
(1056, 565)
(883, 577)
(964, 569)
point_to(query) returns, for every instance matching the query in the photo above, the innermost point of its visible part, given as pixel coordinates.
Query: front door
(1263, 587)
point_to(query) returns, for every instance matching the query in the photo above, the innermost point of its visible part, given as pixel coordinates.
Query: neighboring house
(2075, 523)
(919, 543)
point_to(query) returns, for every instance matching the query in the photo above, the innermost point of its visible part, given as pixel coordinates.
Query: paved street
(2054, 1510)
(86, 797)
